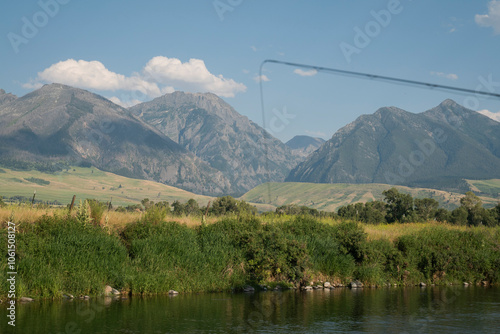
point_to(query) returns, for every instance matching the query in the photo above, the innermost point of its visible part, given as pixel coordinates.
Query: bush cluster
(64, 254)
(399, 207)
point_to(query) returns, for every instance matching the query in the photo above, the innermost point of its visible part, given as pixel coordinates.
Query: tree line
(396, 207)
(403, 208)
(219, 207)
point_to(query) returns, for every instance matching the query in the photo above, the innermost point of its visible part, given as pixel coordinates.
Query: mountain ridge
(62, 123)
(441, 146)
(209, 127)
(302, 145)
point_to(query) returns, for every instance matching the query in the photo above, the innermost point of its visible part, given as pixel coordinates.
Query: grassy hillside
(89, 183)
(486, 187)
(329, 197)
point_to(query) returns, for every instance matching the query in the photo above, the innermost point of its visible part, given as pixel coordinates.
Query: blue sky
(132, 51)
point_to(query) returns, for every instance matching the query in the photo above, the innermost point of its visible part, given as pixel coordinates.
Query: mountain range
(199, 143)
(302, 146)
(196, 142)
(229, 142)
(60, 124)
(438, 148)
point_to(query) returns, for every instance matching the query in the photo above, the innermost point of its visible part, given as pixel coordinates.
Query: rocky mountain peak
(448, 103)
(62, 123)
(209, 127)
(382, 148)
(6, 97)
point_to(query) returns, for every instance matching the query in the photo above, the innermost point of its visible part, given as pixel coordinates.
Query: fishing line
(361, 75)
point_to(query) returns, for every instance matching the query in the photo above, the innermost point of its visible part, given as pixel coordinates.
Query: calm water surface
(386, 310)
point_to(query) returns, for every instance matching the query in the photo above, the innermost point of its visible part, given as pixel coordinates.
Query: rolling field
(104, 186)
(487, 187)
(89, 183)
(329, 197)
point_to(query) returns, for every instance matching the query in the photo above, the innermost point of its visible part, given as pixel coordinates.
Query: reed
(59, 252)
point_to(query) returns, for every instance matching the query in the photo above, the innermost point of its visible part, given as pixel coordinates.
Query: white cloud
(92, 75)
(246, 71)
(451, 76)
(492, 115)
(254, 49)
(161, 75)
(190, 76)
(492, 19)
(303, 73)
(263, 77)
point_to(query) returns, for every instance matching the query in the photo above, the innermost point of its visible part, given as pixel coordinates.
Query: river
(382, 310)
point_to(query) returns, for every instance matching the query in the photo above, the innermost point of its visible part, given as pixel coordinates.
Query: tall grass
(59, 254)
(143, 253)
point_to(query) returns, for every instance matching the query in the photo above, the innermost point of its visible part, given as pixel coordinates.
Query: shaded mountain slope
(229, 142)
(435, 149)
(59, 123)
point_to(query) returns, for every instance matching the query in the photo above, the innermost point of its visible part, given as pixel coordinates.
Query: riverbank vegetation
(159, 247)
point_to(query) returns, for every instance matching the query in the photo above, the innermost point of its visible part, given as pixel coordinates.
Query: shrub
(96, 210)
(62, 254)
(155, 214)
(271, 256)
(439, 254)
(351, 238)
(322, 245)
(229, 205)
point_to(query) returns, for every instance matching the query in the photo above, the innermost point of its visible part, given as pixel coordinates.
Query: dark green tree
(192, 208)
(475, 212)
(399, 206)
(426, 208)
(488, 217)
(178, 208)
(443, 215)
(459, 216)
(496, 213)
(496, 210)
(374, 212)
(229, 205)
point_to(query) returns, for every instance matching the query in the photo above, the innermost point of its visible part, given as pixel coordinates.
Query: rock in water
(108, 291)
(355, 284)
(248, 288)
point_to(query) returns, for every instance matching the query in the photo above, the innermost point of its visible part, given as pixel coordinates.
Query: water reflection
(388, 310)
